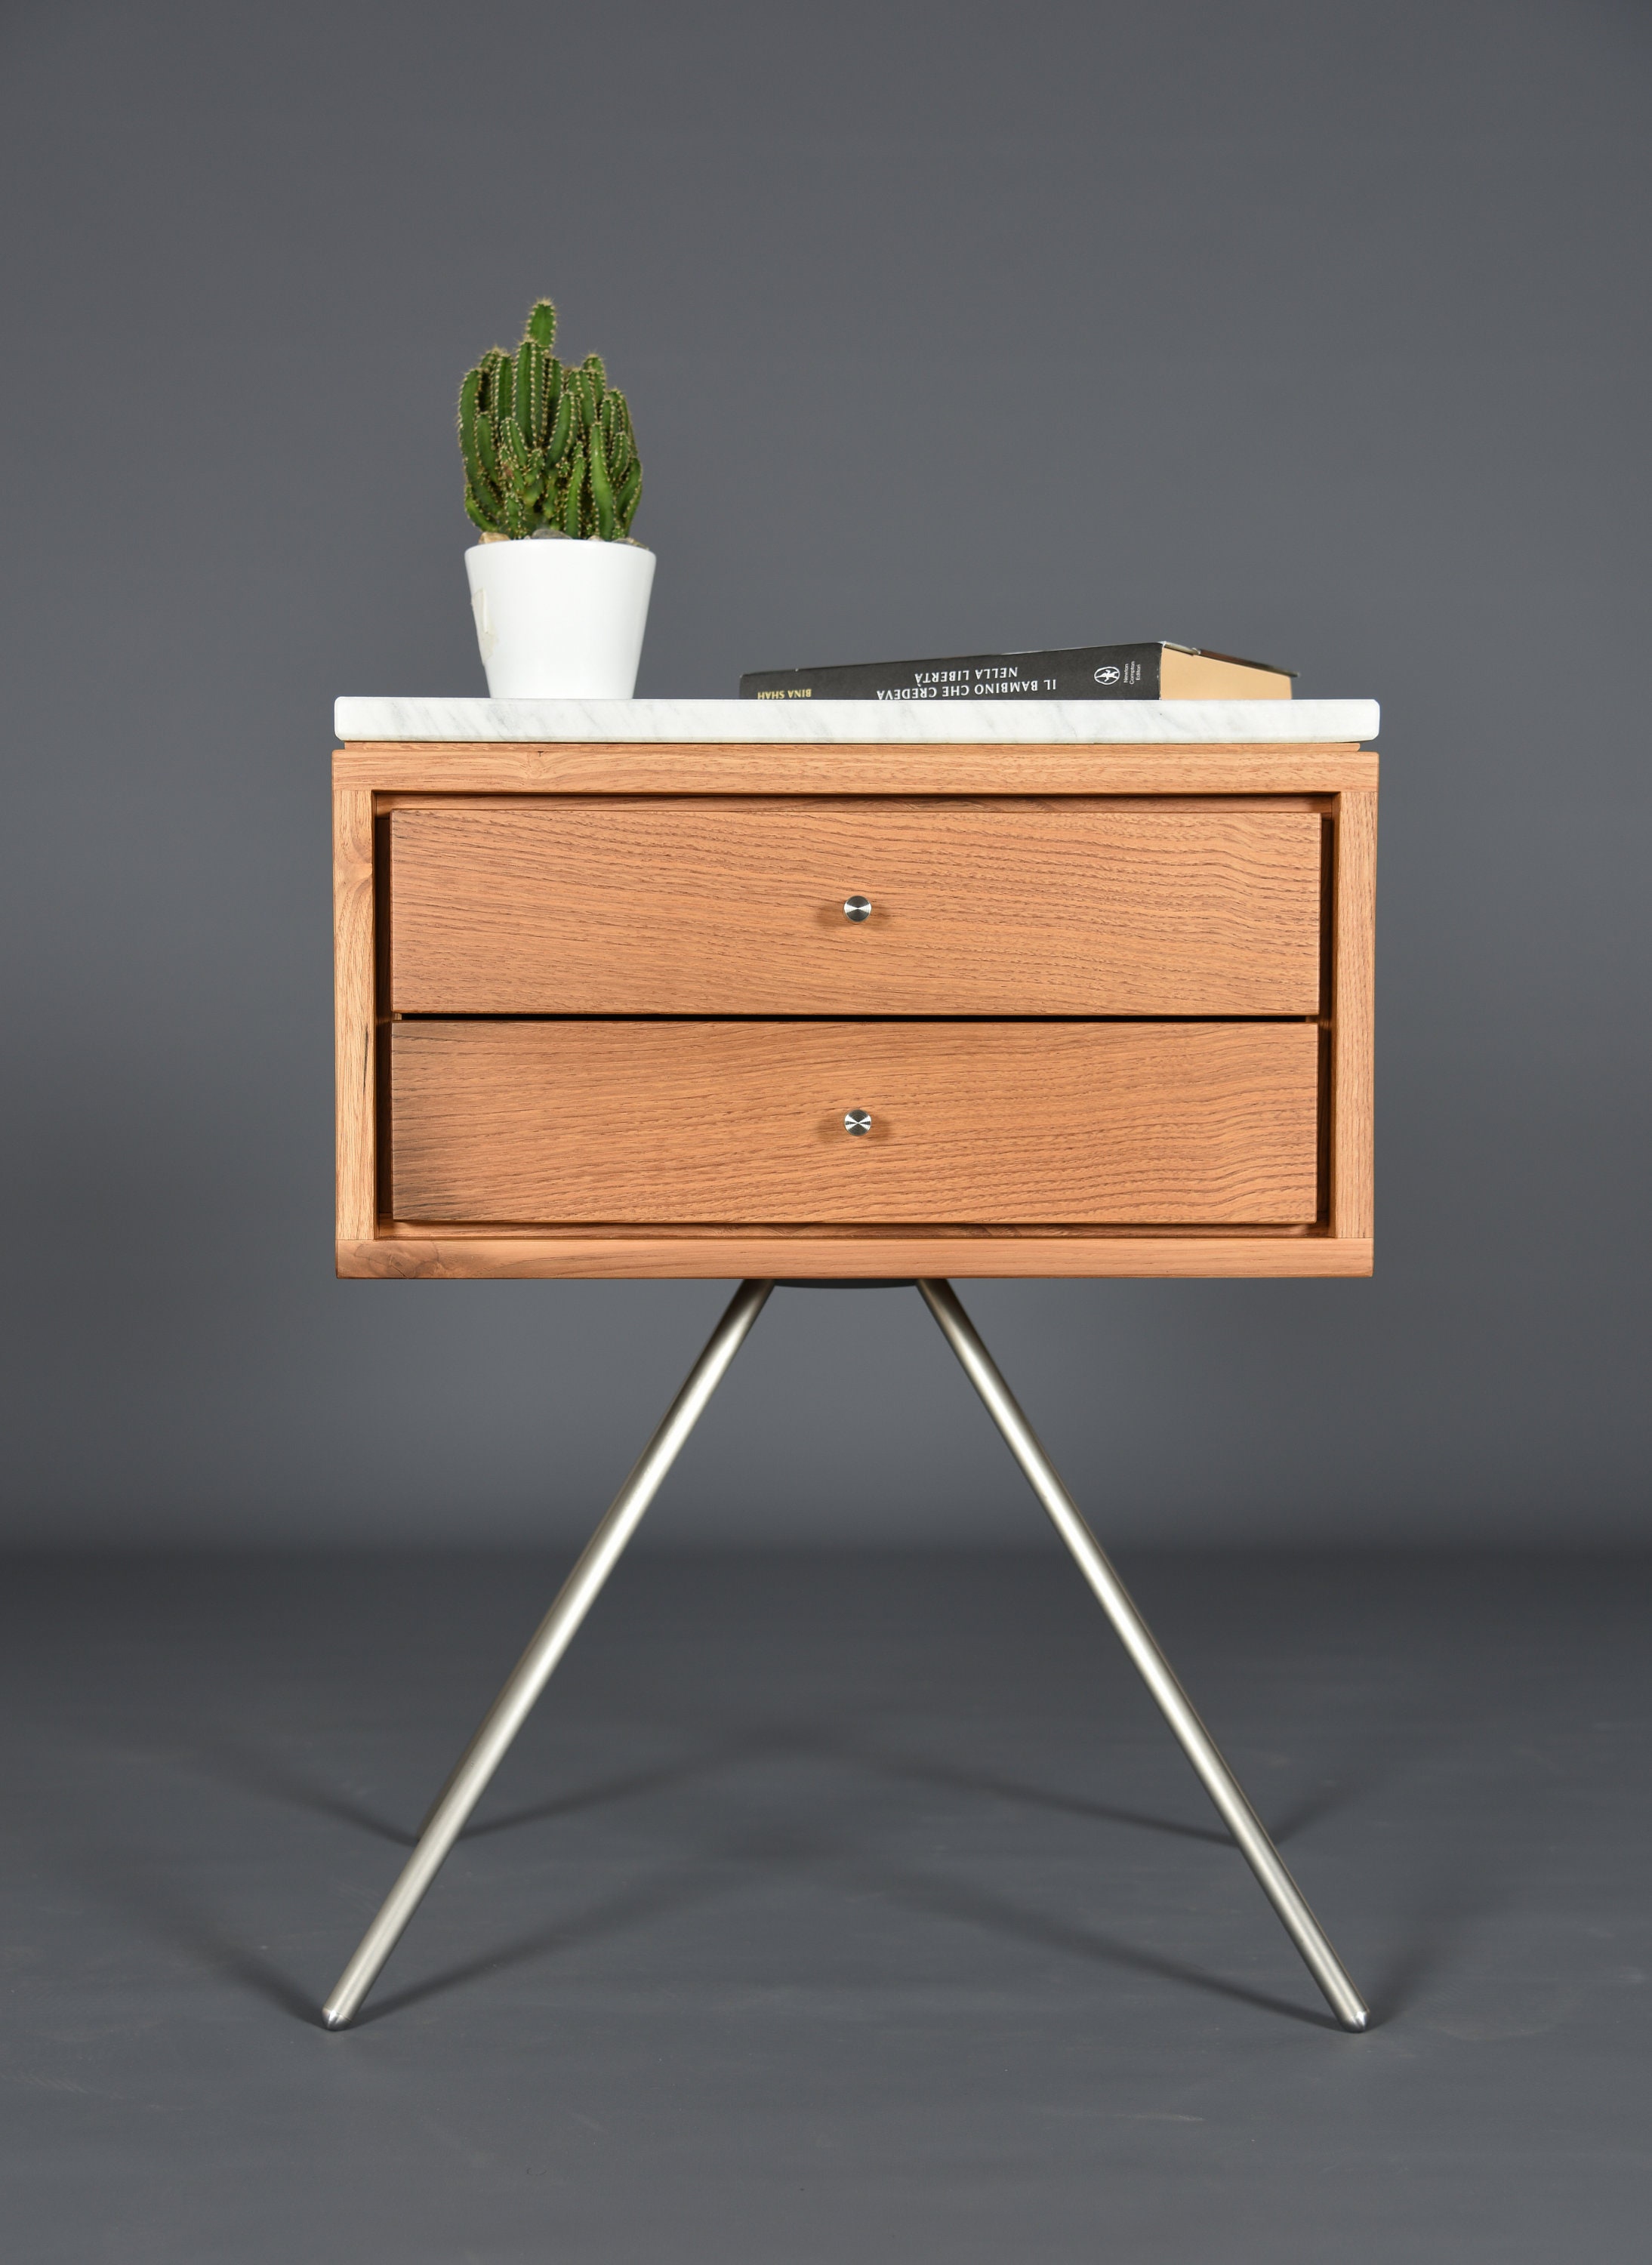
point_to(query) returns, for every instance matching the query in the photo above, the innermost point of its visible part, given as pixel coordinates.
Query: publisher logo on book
(1107, 675)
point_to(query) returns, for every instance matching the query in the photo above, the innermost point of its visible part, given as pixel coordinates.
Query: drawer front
(589, 904)
(1067, 1123)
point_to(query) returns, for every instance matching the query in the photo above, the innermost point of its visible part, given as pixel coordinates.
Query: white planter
(560, 621)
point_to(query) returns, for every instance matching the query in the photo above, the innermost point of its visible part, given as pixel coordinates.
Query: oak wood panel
(717, 906)
(1353, 1015)
(1160, 1123)
(353, 1064)
(515, 766)
(643, 1254)
(782, 1231)
(389, 798)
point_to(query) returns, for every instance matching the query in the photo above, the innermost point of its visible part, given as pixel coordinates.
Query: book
(1085, 672)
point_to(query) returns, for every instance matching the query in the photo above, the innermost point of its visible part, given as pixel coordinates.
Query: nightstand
(853, 992)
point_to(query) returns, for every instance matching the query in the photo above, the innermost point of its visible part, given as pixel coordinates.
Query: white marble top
(1199, 723)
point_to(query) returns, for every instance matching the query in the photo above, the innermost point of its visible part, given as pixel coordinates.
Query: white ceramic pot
(560, 620)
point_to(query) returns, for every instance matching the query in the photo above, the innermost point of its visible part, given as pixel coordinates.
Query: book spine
(1103, 672)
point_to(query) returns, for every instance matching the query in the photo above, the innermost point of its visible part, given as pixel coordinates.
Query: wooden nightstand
(601, 1010)
(839, 1007)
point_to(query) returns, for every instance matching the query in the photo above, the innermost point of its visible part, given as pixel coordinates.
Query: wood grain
(639, 1250)
(732, 1253)
(719, 906)
(353, 1065)
(1353, 1015)
(1075, 1122)
(516, 766)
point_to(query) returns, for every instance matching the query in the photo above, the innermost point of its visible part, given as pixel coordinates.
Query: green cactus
(602, 493)
(548, 449)
(574, 498)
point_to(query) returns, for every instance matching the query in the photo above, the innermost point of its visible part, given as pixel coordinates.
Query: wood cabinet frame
(1341, 780)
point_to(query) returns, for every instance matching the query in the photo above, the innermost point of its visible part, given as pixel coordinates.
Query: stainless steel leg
(511, 1709)
(1217, 1780)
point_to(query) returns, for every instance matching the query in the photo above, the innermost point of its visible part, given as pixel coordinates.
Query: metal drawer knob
(857, 908)
(857, 1121)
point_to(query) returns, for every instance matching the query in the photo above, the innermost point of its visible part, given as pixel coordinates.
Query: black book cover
(1091, 672)
(1086, 672)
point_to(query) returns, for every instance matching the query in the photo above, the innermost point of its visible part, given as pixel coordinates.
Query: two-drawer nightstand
(852, 992)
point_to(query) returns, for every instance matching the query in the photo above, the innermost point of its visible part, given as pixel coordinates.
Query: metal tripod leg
(511, 1709)
(1217, 1780)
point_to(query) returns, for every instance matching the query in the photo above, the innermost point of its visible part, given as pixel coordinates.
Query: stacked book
(1085, 672)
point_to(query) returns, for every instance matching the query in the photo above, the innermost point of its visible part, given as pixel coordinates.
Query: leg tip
(334, 2017)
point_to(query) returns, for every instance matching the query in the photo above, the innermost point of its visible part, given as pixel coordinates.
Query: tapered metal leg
(511, 1709)
(1217, 1780)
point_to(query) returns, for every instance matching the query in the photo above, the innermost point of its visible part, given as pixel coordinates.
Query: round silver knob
(857, 1121)
(857, 908)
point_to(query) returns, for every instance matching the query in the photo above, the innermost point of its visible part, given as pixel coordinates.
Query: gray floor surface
(832, 1908)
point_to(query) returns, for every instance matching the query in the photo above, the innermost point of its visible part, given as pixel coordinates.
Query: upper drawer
(599, 905)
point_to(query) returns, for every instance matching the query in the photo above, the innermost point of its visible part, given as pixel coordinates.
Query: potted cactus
(558, 587)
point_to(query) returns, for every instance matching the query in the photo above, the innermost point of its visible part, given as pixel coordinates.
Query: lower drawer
(740, 1122)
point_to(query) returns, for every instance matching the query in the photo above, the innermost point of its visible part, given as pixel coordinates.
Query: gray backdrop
(1309, 330)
